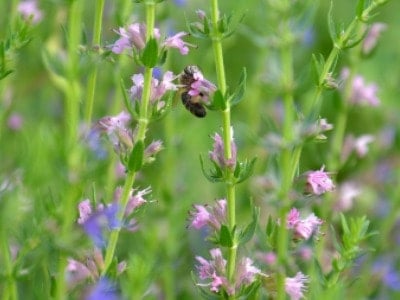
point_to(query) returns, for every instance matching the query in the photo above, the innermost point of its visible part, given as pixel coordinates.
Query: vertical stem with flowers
(227, 134)
(142, 127)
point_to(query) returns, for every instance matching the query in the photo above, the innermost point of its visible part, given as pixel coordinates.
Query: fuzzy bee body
(192, 103)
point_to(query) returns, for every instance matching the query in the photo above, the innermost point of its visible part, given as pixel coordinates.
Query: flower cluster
(158, 88)
(217, 155)
(302, 228)
(361, 93)
(212, 216)
(134, 37)
(214, 270)
(295, 286)
(318, 182)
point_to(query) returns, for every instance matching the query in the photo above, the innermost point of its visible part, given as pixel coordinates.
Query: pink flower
(319, 182)
(215, 271)
(295, 286)
(347, 192)
(213, 216)
(85, 211)
(218, 153)
(372, 37)
(177, 42)
(29, 9)
(303, 228)
(359, 145)
(158, 88)
(15, 122)
(361, 93)
(134, 37)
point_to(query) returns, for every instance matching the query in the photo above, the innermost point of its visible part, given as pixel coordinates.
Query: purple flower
(104, 290)
(296, 286)
(134, 37)
(318, 182)
(118, 131)
(372, 37)
(218, 153)
(201, 87)
(361, 93)
(95, 223)
(29, 9)
(15, 122)
(158, 88)
(359, 145)
(214, 270)
(346, 194)
(303, 228)
(213, 216)
(176, 41)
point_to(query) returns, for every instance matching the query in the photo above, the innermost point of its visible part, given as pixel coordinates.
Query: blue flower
(104, 290)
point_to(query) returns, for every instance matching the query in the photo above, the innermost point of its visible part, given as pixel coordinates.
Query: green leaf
(248, 232)
(213, 176)
(136, 158)
(360, 8)
(237, 96)
(331, 24)
(218, 102)
(149, 55)
(225, 237)
(318, 63)
(127, 100)
(246, 170)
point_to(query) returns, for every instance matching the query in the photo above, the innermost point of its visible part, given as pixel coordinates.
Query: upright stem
(93, 74)
(142, 127)
(9, 284)
(227, 135)
(286, 54)
(72, 100)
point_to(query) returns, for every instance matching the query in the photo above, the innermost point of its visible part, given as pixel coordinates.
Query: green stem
(10, 287)
(227, 136)
(286, 54)
(141, 135)
(72, 154)
(93, 74)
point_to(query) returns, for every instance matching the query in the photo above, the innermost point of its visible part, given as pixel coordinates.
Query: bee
(192, 103)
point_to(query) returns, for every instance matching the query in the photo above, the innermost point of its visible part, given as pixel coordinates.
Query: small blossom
(77, 272)
(268, 258)
(215, 271)
(303, 228)
(218, 153)
(104, 290)
(152, 149)
(117, 130)
(176, 41)
(347, 192)
(15, 122)
(200, 14)
(158, 88)
(136, 199)
(296, 286)
(96, 222)
(29, 9)
(361, 93)
(213, 216)
(246, 272)
(359, 145)
(372, 37)
(134, 37)
(319, 182)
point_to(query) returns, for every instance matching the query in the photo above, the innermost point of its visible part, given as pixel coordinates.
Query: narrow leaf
(218, 102)
(127, 100)
(237, 96)
(149, 55)
(225, 237)
(136, 158)
(360, 8)
(248, 232)
(331, 24)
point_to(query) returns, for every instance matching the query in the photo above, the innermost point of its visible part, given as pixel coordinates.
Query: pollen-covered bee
(193, 103)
